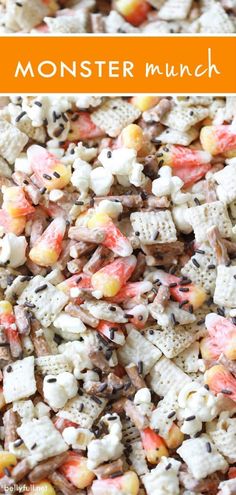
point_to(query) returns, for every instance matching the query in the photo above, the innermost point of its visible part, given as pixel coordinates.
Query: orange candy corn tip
(134, 11)
(112, 277)
(47, 168)
(153, 445)
(48, 247)
(83, 128)
(220, 380)
(76, 471)
(112, 331)
(15, 202)
(114, 239)
(222, 338)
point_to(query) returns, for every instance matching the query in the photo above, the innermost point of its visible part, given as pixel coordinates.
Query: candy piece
(145, 102)
(188, 164)
(9, 224)
(7, 320)
(222, 338)
(112, 277)
(15, 202)
(7, 461)
(76, 471)
(77, 281)
(195, 295)
(132, 137)
(132, 290)
(175, 437)
(114, 239)
(82, 128)
(153, 445)
(128, 484)
(43, 487)
(219, 139)
(111, 331)
(220, 380)
(48, 247)
(47, 168)
(134, 11)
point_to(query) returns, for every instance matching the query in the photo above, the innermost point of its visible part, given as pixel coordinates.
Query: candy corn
(47, 168)
(7, 320)
(220, 380)
(126, 484)
(175, 437)
(219, 139)
(145, 102)
(153, 445)
(76, 471)
(134, 11)
(112, 277)
(15, 202)
(7, 461)
(82, 127)
(9, 224)
(132, 137)
(48, 247)
(132, 290)
(195, 295)
(188, 164)
(222, 338)
(114, 239)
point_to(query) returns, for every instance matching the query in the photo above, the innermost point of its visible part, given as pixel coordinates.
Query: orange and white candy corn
(132, 290)
(49, 171)
(8, 322)
(188, 164)
(221, 339)
(112, 331)
(48, 247)
(219, 139)
(134, 11)
(220, 380)
(153, 445)
(11, 225)
(77, 281)
(114, 239)
(112, 277)
(15, 202)
(126, 484)
(195, 296)
(82, 127)
(145, 102)
(132, 137)
(75, 469)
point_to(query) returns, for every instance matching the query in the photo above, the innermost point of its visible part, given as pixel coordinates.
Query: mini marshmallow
(12, 250)
(81, 177)
(168, 185)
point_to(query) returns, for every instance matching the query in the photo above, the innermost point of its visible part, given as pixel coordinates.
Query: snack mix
(118, 16)
(117, 295)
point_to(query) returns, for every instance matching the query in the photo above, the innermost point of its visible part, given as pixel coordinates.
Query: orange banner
(111, 64)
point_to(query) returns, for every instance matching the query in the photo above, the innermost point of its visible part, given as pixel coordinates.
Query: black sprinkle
(29, 304)
(39, 289)
(18, 442)
(7, 472)
(201, 322)
(34, 446)
(190, 309)
(112, 308)
(109, 154)
(200, 251)
(79, 203)
(151, 332)
(112, 333)
(220, 311)
(47, 177)
(184, 289)
(156, 235)
(111, 418)
(57, 175)
(226, 391)
(116, 474)
(38, 103)
(168, 466)
(25, 278)
(183, 303)
(9, 369)
(43, 190)
(197, 202)
(195, 262)
(102, 387)
(51, 380)
(173, 318)
(190, 418)
(173, 284)
(208, 447)
(171, 414)
(206, 386)
(108, 354)
(96, 399)
(137, 234)
(20, 116)
(81, 407)
(211, 266)
(185, 281)
(140, 367)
